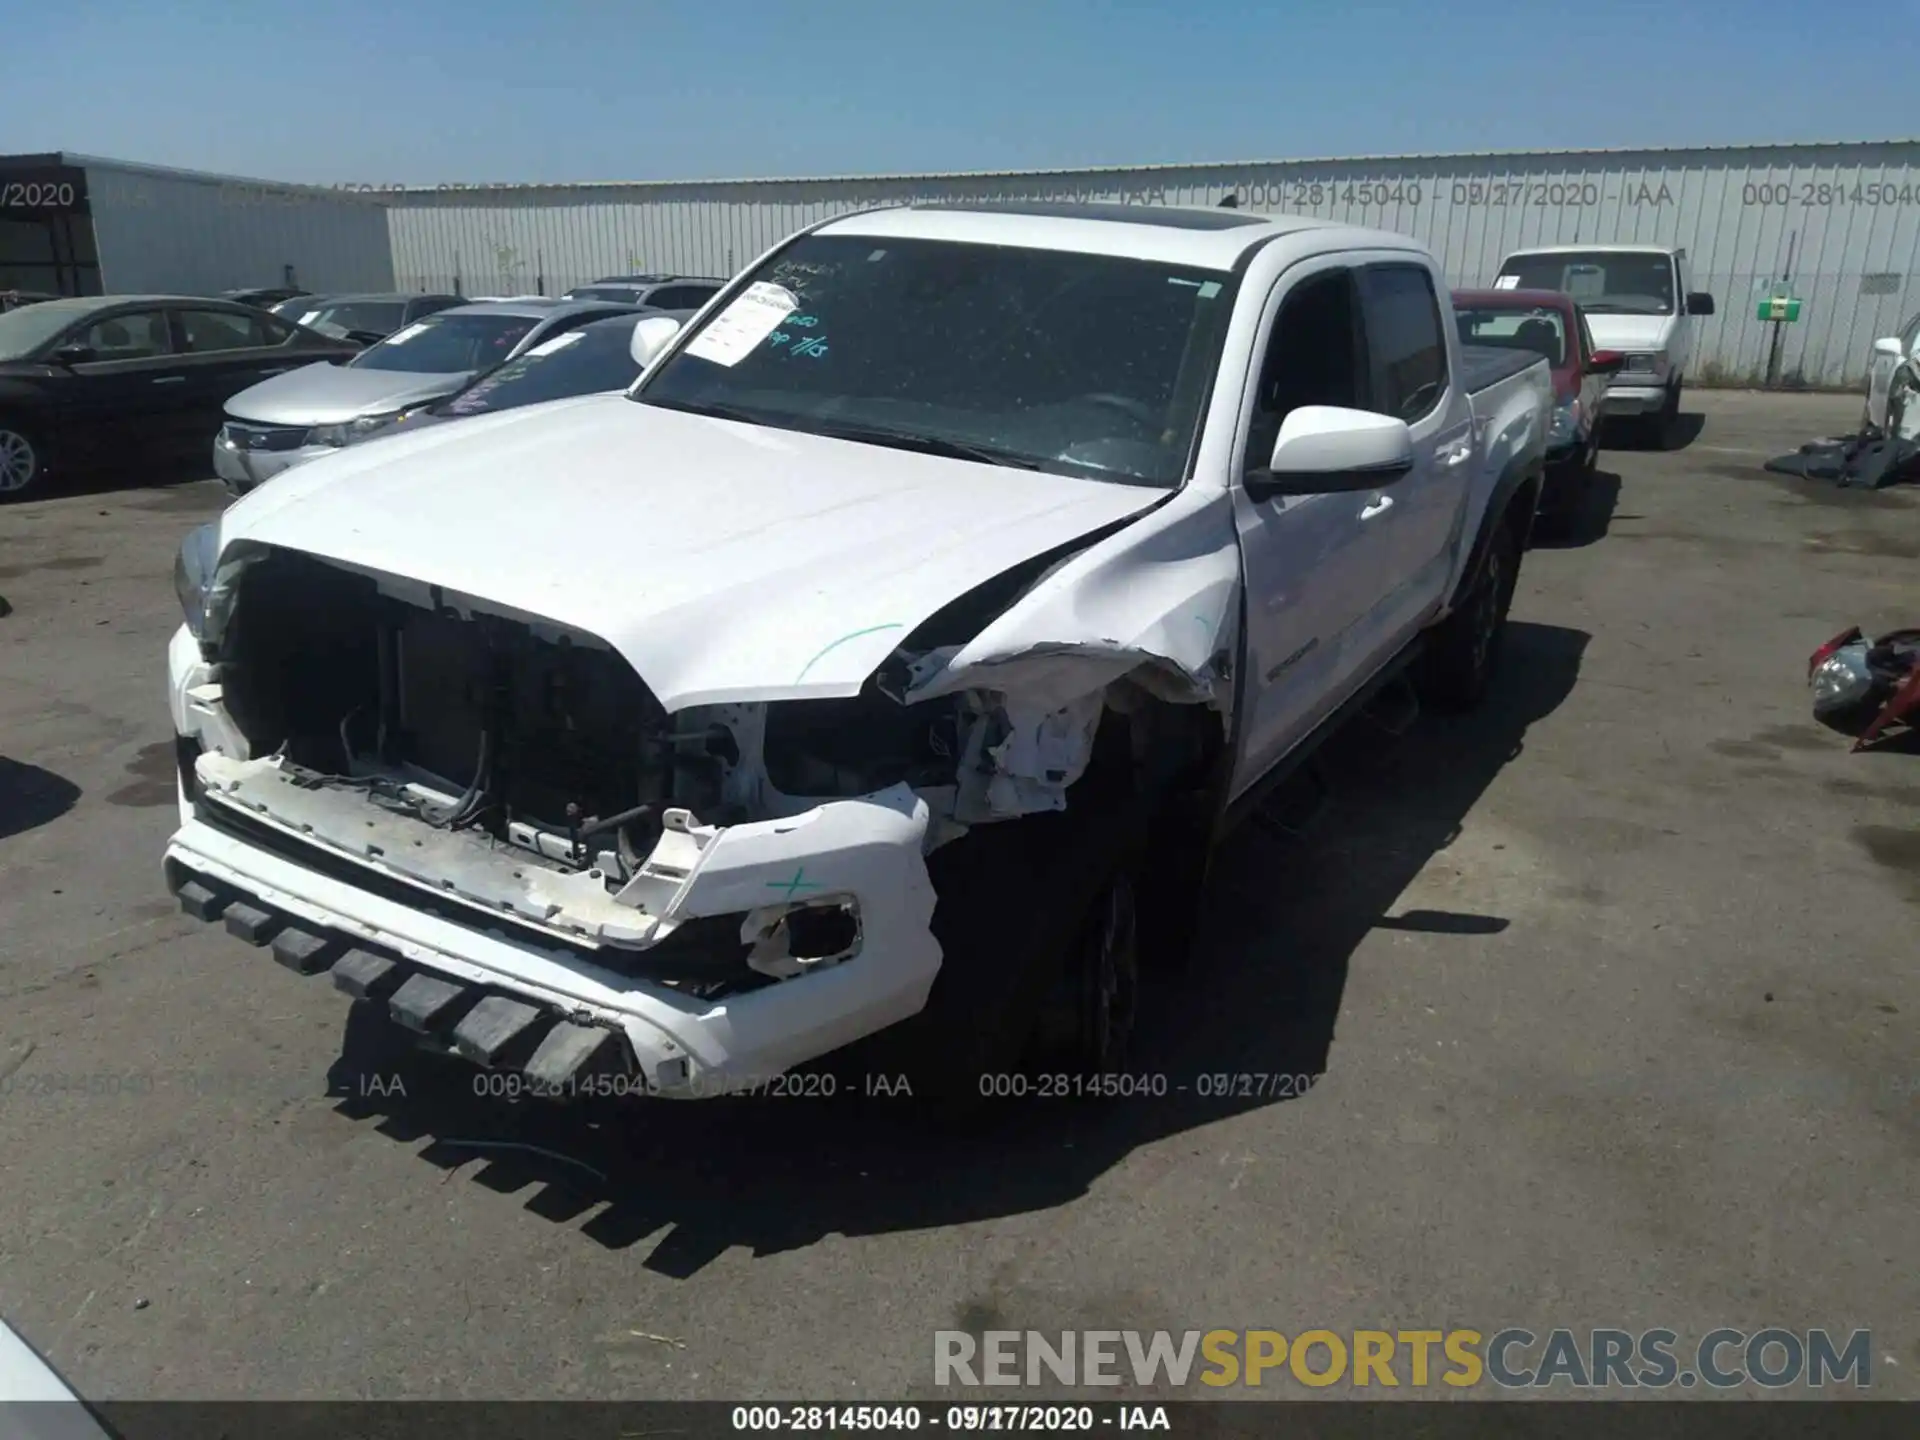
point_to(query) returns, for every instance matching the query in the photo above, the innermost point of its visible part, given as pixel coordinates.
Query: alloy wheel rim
(16, 460)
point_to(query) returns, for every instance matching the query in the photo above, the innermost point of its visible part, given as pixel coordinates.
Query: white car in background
(315, 411)
(1893, 377)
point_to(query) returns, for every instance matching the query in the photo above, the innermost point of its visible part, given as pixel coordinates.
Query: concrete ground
(1613, 987)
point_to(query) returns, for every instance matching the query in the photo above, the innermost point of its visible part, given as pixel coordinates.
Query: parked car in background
(313, 412)
(265, 299)
(658, 743)
(596, 358)
(14, 299)
(368, 318)
(129, 378)
(298, 305)
(1550, 324)
(1893, 379)
(660, 292)
(1637, 301)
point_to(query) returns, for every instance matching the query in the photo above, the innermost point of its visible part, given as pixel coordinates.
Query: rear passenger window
(1404, 339)
(208, 331)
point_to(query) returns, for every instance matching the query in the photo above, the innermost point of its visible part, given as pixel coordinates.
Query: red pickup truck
(1550, 324)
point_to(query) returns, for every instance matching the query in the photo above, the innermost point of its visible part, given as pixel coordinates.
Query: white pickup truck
(886, 662)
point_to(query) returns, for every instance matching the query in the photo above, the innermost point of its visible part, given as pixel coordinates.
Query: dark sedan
(114, 377)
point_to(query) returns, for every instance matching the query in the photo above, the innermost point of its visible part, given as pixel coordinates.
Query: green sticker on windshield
(1210, 289)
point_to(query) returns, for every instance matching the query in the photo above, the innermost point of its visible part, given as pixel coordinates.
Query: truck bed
(1482, 366)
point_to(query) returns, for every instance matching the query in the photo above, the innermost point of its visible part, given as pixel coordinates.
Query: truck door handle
(1459, 456)
(1380, 506)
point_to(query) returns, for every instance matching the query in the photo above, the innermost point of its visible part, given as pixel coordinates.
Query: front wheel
(22, 465)
(1464, 649)
(1039, 928)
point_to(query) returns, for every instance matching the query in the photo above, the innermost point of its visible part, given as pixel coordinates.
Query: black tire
(23, 462)
(1663, 427)
(1040, 943)
(1464, 649)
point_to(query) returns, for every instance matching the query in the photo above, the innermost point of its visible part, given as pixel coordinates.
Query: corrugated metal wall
(1847, 217)
(170, 232)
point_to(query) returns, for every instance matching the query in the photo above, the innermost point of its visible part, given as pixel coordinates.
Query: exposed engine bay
(546, 740)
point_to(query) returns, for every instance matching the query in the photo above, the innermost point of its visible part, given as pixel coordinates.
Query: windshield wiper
(864, 434)
(927, 445)
(717, 412)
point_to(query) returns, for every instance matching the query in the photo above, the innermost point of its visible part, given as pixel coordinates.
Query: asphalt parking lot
(1612, 987)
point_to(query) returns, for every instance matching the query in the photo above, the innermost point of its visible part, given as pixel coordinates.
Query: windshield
(578, 362)
(26, 329)
(1048, 359)
(1605, 282)
(377, 317)
(445, 344)
(1537, 329)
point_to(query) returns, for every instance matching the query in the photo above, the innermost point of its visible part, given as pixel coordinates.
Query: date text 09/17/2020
(827, 1085)
(962, 1418)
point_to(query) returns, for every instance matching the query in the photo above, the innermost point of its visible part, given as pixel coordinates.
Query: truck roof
(1213, 239)
(1594, 247)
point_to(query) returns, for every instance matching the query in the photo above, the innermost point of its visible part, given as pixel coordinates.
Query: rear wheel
(22, 465)
(1464, 649)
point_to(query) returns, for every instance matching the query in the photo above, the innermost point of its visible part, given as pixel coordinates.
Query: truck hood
(1630, 332)
(723, 561)
(326, 394)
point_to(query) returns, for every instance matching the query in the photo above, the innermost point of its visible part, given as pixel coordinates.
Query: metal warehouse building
(77, 225)
(1836, 225)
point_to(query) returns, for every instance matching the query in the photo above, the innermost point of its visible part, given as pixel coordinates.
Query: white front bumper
(737, 1043)
(1639, 395)
(871, 849)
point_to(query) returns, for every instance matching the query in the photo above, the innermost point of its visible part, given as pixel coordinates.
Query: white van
(1637, 300)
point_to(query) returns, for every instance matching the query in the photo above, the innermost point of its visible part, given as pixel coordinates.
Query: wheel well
(1519, 512)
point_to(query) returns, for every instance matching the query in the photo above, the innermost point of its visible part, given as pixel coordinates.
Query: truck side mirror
(1699, 303)
(1328, 449)
(1889, 347)
(651, 336)
(1606, 362)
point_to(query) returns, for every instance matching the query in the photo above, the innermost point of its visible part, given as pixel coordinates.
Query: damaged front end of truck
(484, 819)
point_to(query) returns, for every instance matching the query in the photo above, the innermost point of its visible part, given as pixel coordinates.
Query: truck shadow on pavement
(1256, 1009)
(31, 797)
(1590, 517)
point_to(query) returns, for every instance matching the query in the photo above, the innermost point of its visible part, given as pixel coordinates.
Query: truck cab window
(1312, 359)
(1408, 347)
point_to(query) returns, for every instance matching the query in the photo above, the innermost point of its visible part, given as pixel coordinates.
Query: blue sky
(419, 91)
